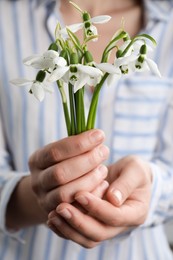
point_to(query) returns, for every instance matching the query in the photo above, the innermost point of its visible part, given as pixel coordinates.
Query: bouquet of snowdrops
(70, 64)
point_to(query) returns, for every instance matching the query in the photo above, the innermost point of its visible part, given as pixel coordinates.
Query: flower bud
(64, 54)
(119, 53)
(53, 46)
(86, 16)
(143, 49)
(41, 76)
(74, 58)
(88, 57)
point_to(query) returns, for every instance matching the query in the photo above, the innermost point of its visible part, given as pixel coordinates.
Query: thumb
(128, 181)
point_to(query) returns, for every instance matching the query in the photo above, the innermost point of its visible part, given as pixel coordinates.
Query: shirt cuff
(4, 199)
(157, 183)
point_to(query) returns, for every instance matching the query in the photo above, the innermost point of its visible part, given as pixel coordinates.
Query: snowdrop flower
(47, 61)
(87, 24)
(144, 63)
(78, 75)
(37, 88)
(114, 71)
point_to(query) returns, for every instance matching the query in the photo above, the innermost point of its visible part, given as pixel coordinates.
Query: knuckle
(79, 145)
(93, 157)
(62, 195)
(59, 174)
(55, 154)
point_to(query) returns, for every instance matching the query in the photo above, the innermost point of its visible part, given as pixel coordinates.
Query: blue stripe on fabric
(130, 249)
(143, 244)
(4, 247)
(117, 251)
(64, 250)
(140, 100)
(154, 246)
(6, 89)
(2, 180)
(19, 246)
(32, 244)
(47, 250)
(126, 152)
(137, 117)
(111, 157)
(135, 135)
(101, 250)
(82, 254)
(58, 107)
(160, 44)
(148, 83)
(33, 27)
(15, 17)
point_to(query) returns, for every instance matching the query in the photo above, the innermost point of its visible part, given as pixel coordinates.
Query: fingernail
(103, 151)
(82, 200)
(117, 195)
(65, 213)
(96, 136)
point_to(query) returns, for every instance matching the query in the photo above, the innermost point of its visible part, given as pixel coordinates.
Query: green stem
(94, 103)
(65, 107)
(80, 112)
(72, 109)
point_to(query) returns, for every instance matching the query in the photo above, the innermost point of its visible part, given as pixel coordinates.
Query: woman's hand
(125, 204)
(63, 168)
(58, 171)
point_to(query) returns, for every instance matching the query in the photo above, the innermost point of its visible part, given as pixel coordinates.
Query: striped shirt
(136, 115)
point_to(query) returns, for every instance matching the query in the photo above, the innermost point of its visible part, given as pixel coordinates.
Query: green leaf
(74, 39)
(148, 37)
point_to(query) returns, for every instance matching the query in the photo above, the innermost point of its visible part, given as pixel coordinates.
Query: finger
(66, 148)
(86, 225)
(101, 189)
(131, 213)
(59, 226)
(74, 168)
(131, 177)
(67, 192)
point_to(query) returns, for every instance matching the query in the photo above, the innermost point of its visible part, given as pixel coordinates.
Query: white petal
(100, 19)
(111, 79)
(38, 91)
(93, 72)
(153, 67)
(125, 60)
(43, 64)
(60, 61)
(47, 88)
(57, 74)
(21, 82)
(94, 31)
(51, 54)
(74, 27)
(83, 79)
(107, 67)
(29, 60)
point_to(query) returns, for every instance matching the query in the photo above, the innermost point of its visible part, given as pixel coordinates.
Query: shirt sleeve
(161, 206)
(8, 181)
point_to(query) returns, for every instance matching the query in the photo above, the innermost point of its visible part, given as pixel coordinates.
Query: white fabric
(134, 113)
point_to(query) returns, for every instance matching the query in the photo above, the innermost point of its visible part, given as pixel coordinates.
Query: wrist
(23, 209)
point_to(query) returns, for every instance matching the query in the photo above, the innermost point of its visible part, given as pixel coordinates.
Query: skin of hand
(63, 168)
(58, 171)
(122, 204)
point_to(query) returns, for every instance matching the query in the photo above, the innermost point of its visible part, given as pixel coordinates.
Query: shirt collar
(157, 10)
